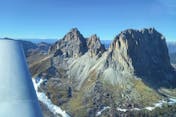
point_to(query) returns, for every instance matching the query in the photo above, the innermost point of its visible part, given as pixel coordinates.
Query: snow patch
(159, 104)
(125, 110)
(121, 109)
(43, 98)
(150, 108)
(104, 108)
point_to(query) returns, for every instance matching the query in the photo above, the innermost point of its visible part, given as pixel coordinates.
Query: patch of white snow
(43, 98)
(104, 108)
(150, 108)
(121, 109)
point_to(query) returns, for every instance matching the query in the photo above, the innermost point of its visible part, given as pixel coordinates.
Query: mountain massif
(84, 78)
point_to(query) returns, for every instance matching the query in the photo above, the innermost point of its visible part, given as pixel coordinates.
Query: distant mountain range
(49, 41)
(172, 52)
(171, 44)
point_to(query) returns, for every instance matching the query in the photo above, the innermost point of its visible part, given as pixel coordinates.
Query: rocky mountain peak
(74, 30)
(144, 52)
(94, 45)
(73, 44)
(74, 34)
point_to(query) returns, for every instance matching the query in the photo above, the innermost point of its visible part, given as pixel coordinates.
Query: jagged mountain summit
(84, 78)
(72, 44)
(94, 46)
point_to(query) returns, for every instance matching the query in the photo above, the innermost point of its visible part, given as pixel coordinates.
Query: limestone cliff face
(143, 53)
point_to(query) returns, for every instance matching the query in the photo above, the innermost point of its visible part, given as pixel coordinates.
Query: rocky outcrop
(73, 44)
(144, 53)
(94, 46)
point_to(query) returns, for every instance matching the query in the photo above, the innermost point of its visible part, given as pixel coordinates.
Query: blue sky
(54, 18)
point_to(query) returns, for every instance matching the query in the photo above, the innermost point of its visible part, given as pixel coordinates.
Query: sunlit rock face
(73, 44)
(17, 94)
(144, 53)
(94, 46)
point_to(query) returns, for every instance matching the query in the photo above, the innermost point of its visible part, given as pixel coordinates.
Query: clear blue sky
(106, 18)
